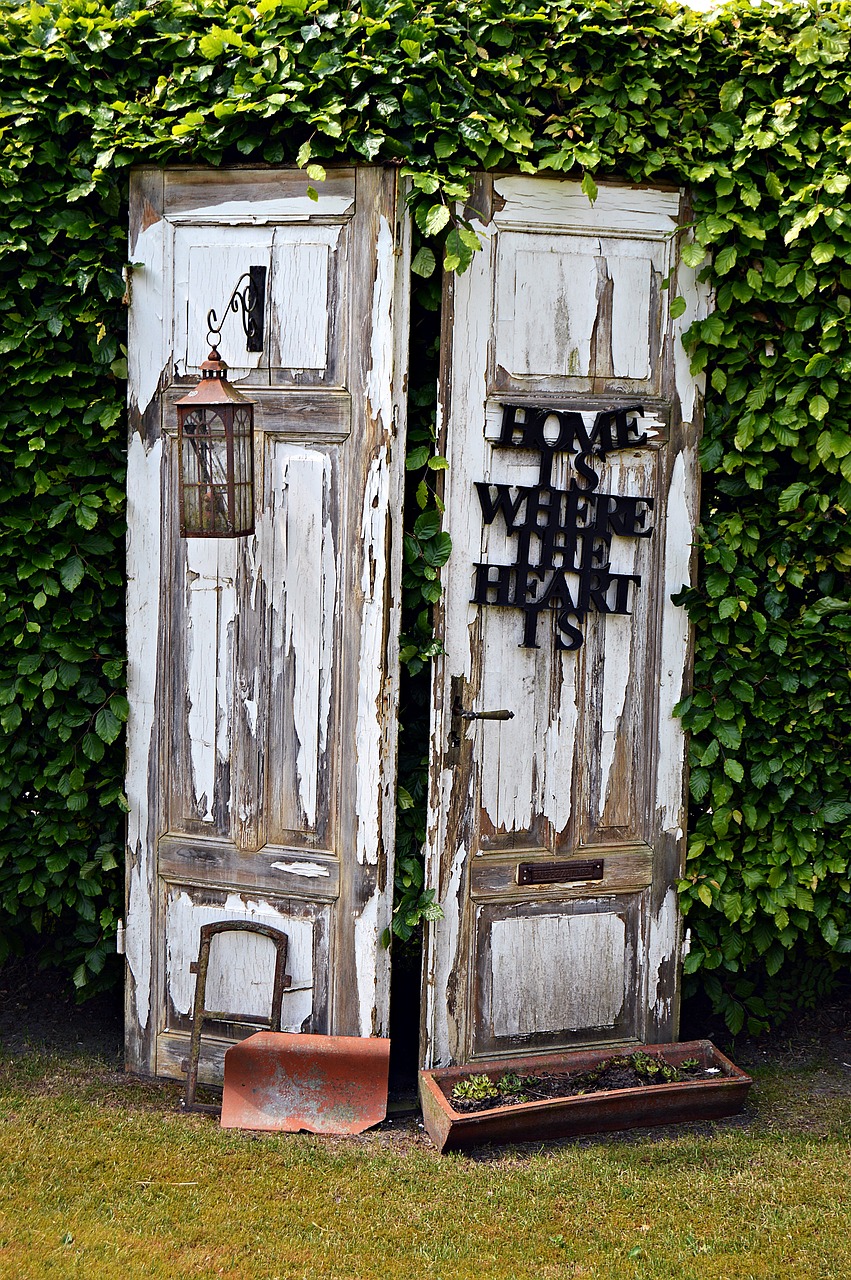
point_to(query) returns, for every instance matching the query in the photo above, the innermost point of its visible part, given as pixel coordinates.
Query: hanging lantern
(215, 430)
(215, 443)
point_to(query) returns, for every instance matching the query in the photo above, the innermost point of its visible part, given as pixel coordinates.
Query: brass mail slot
(560, 872)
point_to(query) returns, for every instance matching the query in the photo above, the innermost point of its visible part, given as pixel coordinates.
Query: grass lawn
(101, 1177)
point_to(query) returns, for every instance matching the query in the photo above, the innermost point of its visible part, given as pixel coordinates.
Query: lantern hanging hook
(248, 298)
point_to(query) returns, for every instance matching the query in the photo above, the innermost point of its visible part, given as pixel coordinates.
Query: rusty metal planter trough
(701, 1099)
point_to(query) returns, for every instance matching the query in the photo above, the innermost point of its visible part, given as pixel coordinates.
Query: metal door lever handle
(485, 715)
(460, 718)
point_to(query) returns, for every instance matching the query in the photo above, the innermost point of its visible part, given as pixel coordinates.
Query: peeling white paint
(328, 624)
(257, 702)
(147, 351)
(368, 927)
(442, 957)
(137, 939)
(310, 870)
(143, 609)
(143, 600)
(374, 550)
(298, 540)
(697, 299)
(379, 378)
(547, 202)
(368, 736)
(562, 304)
(299, 297)
(663, 935)
(289, 209)
(307, 481)
(208, 262)
(630, 315)
(675, 631)
(546, 306)
(210, 614)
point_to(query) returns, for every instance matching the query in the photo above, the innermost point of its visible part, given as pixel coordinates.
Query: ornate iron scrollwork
(249, 299)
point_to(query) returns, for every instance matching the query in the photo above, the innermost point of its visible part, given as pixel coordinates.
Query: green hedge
(750, 108)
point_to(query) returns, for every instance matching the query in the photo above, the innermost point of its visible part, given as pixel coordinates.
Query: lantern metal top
(213, 388)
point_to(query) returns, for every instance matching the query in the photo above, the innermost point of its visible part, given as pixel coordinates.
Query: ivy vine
(748, 107)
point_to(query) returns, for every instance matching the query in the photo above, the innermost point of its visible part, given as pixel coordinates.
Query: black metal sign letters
(563, 535)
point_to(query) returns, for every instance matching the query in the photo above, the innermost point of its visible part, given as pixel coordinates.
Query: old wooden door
(571, 427)
(261, 756)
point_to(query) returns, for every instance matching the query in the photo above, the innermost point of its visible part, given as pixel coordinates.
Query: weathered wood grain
(256, 196)
(309, 415)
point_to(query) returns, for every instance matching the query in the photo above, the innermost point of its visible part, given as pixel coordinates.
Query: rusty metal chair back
(200, 1012)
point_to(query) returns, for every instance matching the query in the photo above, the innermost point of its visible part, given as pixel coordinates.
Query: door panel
(547, 974)
(557, 786)
(263, 670)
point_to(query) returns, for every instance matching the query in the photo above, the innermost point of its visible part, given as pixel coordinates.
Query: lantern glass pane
(243, 466)
(204, 470)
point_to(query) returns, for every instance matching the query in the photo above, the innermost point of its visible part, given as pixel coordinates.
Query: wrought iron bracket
(249, 299)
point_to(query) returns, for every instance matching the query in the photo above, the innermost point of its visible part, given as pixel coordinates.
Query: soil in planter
(625, 1071)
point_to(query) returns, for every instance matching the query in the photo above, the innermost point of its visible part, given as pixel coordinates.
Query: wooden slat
(307, 415)
(278, 870)
(255, 195)
(624, 871)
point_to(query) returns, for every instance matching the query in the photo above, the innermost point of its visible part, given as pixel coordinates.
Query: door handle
(485, 715)
(461, 717)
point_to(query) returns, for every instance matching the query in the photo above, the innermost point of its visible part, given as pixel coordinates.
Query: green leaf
(93, 747)
(589, 186)
(119, 706)
(805, 282)
(427, 525)
(730, 95)
(86, 517)
(734, 1016)
(699, 782)
(417, 458)
(693, 254)
(445, 146)
(819, 407)
(437, 550)
(436, 219)
(107, 726)
(734, 770)
(71, 573)
(424, 262)
(726, 259)
(822, 253)
(678, 306)
(836, 811)
(791, 496)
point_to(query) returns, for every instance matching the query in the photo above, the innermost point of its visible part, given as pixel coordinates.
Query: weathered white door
(262, 677)
(571, 426)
